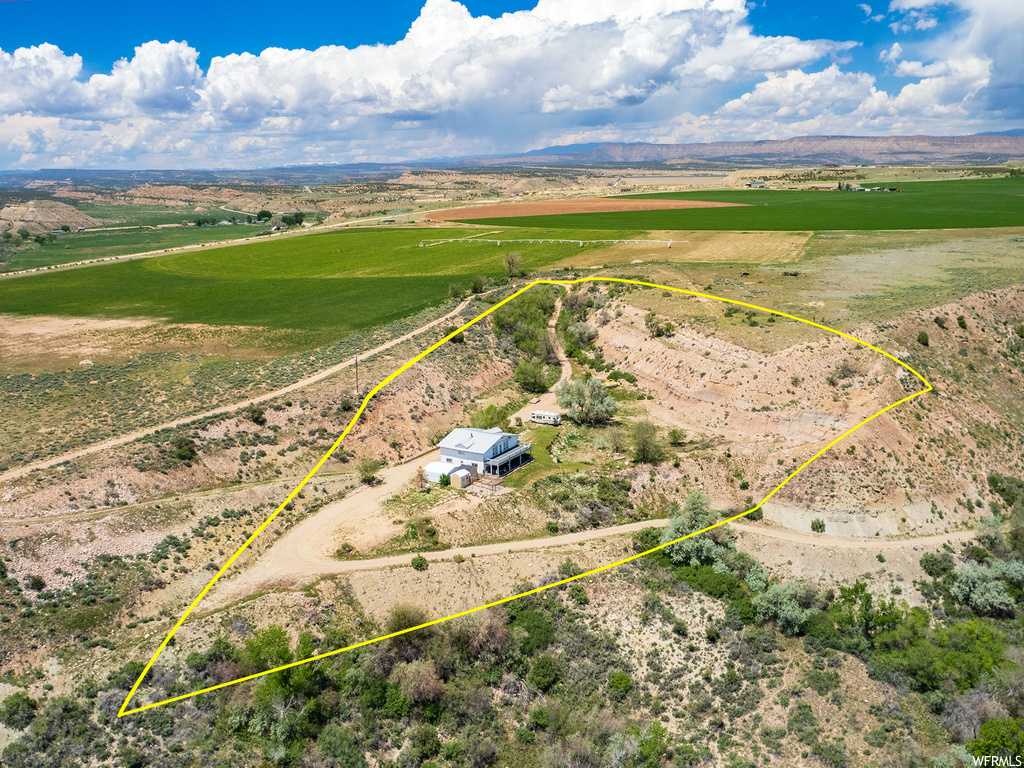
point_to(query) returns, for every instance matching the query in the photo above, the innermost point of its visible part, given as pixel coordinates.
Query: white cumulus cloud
(563, 71)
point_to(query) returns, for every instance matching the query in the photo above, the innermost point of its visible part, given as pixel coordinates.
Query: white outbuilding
(435, 469)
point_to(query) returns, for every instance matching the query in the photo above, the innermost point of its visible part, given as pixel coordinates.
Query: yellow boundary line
(337, 443)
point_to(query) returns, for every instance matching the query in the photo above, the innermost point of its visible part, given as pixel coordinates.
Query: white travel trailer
(546, 417)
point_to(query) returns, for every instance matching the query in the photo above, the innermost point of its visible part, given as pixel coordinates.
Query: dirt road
(304, 553)
(549, 401)
(113, 442)
(868, 544)
(307, 549)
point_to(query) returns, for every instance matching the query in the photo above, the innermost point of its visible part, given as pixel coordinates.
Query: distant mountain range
(979, 149)
(815, 150)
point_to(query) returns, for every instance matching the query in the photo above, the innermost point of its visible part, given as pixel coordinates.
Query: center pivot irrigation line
(432, 243)
(337, 444)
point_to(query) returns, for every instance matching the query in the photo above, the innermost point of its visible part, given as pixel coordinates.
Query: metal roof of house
(474, 440)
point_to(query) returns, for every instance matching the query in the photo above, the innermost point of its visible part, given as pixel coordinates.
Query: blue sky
(231, 84)
(215, 28)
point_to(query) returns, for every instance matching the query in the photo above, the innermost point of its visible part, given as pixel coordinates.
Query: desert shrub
(646, 539)
(818, 525)
(338, 744)
(420, 563)
(256, 415)
(458, 338)
(418, 681)
(978, 587)
(35, 583)
(367, 468)
(544, 672)
(540, 630)
(922, 339)
(802, 723)
(578, 595)
(937, 565)
(786, 604)
(619, 685)
(513, 261)
(821, 681)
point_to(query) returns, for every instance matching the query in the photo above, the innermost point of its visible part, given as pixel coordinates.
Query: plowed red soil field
(581, 205)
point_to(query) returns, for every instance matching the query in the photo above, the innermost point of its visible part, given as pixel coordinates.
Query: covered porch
(511, 459)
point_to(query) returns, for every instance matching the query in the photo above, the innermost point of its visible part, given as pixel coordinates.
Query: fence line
(431, 243)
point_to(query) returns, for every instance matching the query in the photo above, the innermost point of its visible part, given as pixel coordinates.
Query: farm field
(336, 282)
(919, 205)
(80, 246)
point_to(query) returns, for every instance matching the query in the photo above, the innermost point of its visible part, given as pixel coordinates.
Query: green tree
(694, 515)
(24, 234)
(646, 447)
(65, 228)
(17, 710)
(264, 215)
(293, 219)
(1002, 737)
(530, 376)
(479, 284)
(267, 650)
(586, 402)
(922, 339)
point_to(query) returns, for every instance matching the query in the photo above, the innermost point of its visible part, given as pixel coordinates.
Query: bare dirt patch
(700, 247)
(581, 205)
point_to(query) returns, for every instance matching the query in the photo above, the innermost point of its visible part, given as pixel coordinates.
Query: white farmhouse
(492, 451)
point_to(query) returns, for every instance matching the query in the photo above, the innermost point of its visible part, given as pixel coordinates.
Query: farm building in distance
(487, 451)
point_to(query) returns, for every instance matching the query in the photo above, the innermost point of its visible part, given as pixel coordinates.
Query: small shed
(461, 478)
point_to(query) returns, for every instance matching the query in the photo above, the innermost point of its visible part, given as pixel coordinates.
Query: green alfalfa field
(960, 204)
(335, 282)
